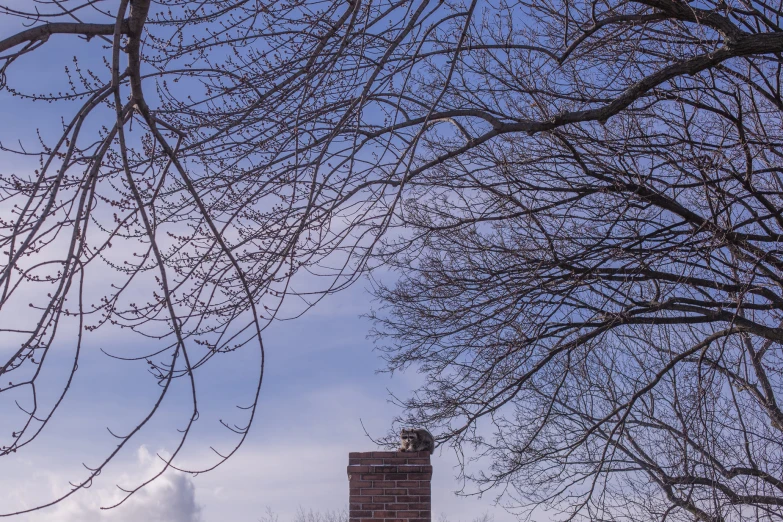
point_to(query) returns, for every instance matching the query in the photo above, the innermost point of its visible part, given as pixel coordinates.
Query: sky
(320, 386)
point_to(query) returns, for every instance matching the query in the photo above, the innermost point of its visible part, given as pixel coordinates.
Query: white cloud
(300, 461)
(171, 498)
(296, 455)
(312, 475)
(320, 383)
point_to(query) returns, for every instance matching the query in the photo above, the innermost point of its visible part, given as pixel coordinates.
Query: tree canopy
(582, 201)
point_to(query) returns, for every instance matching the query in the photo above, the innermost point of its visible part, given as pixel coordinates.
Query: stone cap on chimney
(388, 458)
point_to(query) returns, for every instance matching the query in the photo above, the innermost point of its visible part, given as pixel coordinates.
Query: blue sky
(320, 381)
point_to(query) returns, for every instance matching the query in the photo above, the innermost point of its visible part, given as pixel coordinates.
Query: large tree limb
(43, 32)
(138, 16)
(748, 45)
(688, 13)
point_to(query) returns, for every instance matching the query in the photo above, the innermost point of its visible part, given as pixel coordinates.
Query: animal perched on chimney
(417, 440)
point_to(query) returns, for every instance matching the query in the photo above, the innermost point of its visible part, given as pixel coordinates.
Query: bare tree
(601, 285)
(485, 517)
(269, 515)
(583, 201)
(304, 515)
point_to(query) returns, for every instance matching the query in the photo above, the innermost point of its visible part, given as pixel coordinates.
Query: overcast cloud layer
(321, 381)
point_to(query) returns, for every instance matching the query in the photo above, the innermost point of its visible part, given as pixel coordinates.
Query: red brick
(389, 486)
(387, 454)
(364, 454)
(386, 468)
(397, 460)
(397, 506)
(360, 461)
(375, 506)
(395, 476)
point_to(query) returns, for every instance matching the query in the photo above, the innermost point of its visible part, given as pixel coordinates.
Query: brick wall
(389, 486)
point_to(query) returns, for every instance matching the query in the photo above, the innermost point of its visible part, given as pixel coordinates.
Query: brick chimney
(389, 486)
